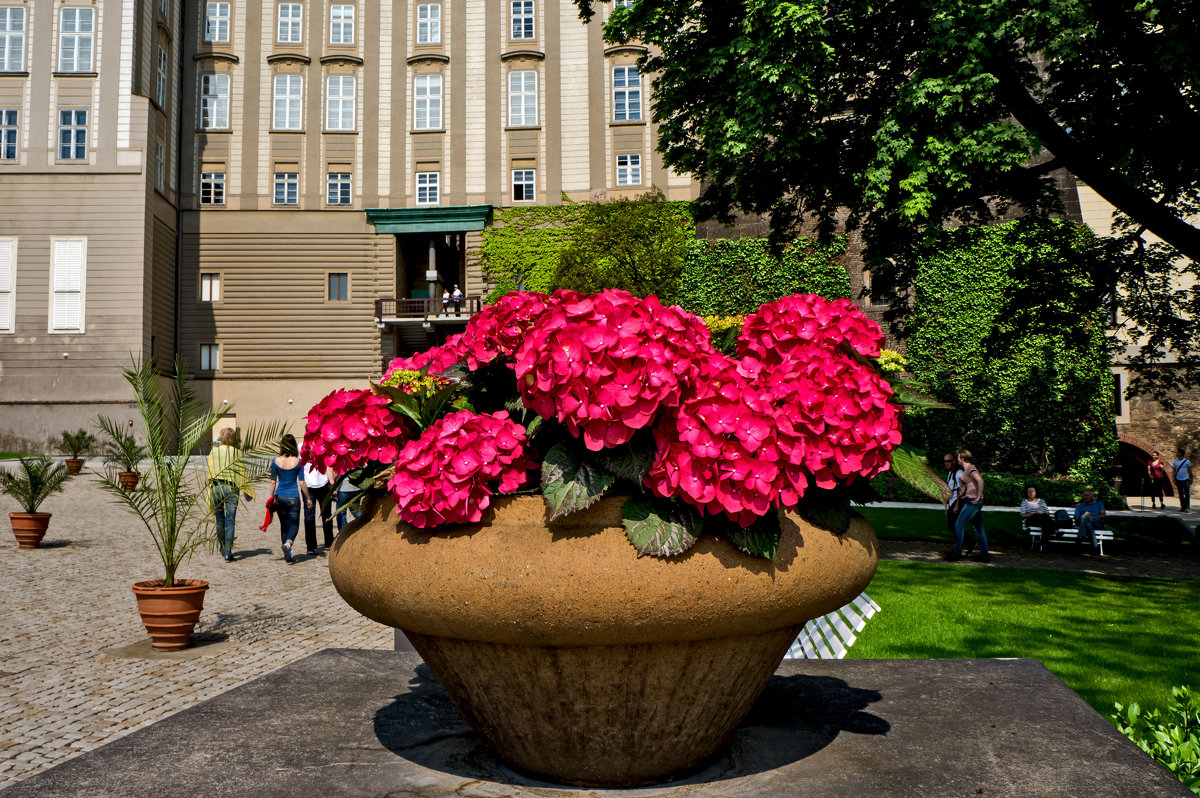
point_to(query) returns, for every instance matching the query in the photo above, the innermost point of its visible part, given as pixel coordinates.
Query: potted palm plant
(172, 502)
(36, 479)
(122, 451)
(74, 445)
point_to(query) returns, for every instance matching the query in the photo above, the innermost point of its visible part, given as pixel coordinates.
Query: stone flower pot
(29, 528)
(170, 613)
(581, 662)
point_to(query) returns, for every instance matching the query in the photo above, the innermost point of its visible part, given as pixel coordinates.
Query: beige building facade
(88, 164)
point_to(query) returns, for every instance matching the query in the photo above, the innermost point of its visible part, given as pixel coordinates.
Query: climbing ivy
(1008, 326)
(521, 248)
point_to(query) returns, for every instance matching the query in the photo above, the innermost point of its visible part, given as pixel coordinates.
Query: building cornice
(341, 58)
(438, 57)
(215, 55)
(511, 54)
(437, 219)
(635, 49)
(275, 58)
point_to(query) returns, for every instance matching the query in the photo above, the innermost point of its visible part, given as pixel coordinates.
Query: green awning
(436, 219)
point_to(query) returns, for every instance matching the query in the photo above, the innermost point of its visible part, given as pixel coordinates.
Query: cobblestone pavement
(76, 668)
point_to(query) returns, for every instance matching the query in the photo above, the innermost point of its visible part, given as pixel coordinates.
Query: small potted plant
(122, 452)
(35, 480)
(75, 445)
(172, 502)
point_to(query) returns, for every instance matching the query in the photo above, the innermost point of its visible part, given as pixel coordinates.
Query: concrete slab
(354, 723)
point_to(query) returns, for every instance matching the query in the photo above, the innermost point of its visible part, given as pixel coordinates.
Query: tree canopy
(905, 117)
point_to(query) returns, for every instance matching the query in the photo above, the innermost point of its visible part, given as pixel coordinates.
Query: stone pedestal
(375, 723)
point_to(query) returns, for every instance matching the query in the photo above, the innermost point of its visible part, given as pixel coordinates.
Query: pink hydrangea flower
(499, 328)
(445, 476)
(784, 329)
(348, 428)
(605, 365)
(439, 358)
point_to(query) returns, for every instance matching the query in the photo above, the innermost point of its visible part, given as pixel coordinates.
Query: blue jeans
(343, 497)
(224, 503)
(1088, 524)
(969, 514)
(288, 511)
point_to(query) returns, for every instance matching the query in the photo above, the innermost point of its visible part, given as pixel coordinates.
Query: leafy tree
(905, 117)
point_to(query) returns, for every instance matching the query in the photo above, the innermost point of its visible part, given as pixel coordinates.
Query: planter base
(74, 465)
(29, 528)
(170, 613)
(128, 480)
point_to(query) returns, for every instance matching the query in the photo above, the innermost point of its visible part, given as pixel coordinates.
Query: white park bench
(829, 636)
(1065, 534)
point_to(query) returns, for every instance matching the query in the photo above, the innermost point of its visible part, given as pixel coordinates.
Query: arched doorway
(1132, 456)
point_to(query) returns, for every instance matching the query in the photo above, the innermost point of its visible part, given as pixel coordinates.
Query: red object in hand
(271, 505)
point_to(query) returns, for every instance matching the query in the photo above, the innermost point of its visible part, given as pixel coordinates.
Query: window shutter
(7, 256)
(68, 285)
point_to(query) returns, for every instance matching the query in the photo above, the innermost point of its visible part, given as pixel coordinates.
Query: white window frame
(212, 186)
(429, 23)
(208, 354)
(10, 125)
(523, 98)
(67, 286)
(210, 288)
(160, 167)
(164, 68)
(13, 21)
(164, 7)
(428, 185)
(76, 47)
(216, 23)
(78, 132)
(341, 24)
(521, 20)
(527, 179)
(289, 27)
(289, 103)
(214, 101)
(290, 181)
(627, 95)
(427, 102)
(337, 186)
(8, 285)
(340, 95)
(629, 169)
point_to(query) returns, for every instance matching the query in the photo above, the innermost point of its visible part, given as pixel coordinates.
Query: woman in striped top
(1037, 514)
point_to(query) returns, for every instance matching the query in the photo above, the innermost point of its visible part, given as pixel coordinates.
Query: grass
(10, 455)
(1158, 534)
(1109, 638)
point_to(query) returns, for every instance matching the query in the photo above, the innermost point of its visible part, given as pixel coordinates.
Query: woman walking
(227, 478)
(288, 489)
(1157, 470)
(971, 491)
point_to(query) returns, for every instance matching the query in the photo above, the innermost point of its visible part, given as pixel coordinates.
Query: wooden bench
(829, 636)
(1065, 534)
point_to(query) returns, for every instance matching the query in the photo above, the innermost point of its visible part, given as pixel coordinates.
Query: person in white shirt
(318, 491)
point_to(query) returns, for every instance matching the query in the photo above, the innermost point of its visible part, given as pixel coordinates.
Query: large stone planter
(581, 662)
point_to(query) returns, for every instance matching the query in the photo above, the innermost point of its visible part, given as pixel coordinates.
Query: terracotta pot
(74, 465)
(170, 613)
(581, 662)
(29, 528)
(128, 480)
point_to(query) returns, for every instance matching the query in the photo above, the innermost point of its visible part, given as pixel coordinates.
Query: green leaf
(660, 527)
(571, 482)
(631, 460)
(760, 539)
(827, 509)
(909, 465)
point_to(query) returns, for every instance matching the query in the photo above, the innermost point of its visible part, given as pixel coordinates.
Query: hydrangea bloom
(605, 365)
(789, 327)
(443, 477)
(347, 428)
(499, 328)
(438, 359)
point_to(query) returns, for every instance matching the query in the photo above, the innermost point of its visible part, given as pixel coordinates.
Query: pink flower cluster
(438, 359)
(500, 328)
(348, 428)
(787, 329)
(443, 477)
(605, 365)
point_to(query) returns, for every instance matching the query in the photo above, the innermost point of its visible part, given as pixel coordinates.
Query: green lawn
(1109, 638)
(9, 455)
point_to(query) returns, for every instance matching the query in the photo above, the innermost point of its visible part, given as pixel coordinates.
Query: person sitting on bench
(1089, 516)
(1037, 514)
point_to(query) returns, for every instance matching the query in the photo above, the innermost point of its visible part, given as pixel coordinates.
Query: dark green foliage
(74, 444)
(1170, 737)
(1007, 490)
(1008, 327)
(521, 249)
(35, 480)
(760, 539)
(724, 277)
(660, 527)
(571, 481)
(121, 448)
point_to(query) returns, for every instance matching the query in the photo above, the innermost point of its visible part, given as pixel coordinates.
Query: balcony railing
(394, 310)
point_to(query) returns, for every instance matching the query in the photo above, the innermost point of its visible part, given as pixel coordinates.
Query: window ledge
(329, 132)
(297, 131)
(14, 74)
(201, 130)
(417, 132)
(507, 128)
(75, 74)
(627, 122)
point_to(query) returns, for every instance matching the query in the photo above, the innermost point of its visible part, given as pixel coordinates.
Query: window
(427, 188)
(160, 93)
(627, 93)
(164, 6)
(338, 188)
(289, 23)
(75, 40)
(522, 98)
(214, 101)
(288, 100)
(339, 102)
(212, 188)
(8, 134)
(8, 282)
(12, 39)
(210, 357)
(66, 307)
(339, 284)
(629, 170)
(341, 24)
(522, 19)
(210, 287)
(427, 107)
(623, 4)
(160, 167)
(522, 187)
(429, 23)
(287, 188)
(72, 135)
(216, 22)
